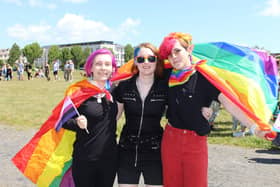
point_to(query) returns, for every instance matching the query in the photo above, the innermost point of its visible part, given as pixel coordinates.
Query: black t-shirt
(186, 101)
(101, 140)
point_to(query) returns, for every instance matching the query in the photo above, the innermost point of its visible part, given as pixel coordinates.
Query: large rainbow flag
(246, 76)
(46, 159)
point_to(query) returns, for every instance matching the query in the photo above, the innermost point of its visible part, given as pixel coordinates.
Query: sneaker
(238, 134)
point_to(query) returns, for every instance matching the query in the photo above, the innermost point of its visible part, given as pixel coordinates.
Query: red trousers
(184, 158)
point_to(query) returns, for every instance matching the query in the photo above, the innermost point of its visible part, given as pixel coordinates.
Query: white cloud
(72, 28)
(41, 4)
(75, 1)
(30, 33)
(51, 6)
(16, 2)
(272, 9)
(33, 3)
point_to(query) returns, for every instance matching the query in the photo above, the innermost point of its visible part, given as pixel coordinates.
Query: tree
(54, 53)
(86, 53)
(1, 62)
(65, 55)
(14, 54)
(77, 54)
(32, 52)
(128, 52)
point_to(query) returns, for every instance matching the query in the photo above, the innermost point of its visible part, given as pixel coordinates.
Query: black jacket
(142, 130)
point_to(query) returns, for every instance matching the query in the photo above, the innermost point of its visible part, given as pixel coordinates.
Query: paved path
(228, 166)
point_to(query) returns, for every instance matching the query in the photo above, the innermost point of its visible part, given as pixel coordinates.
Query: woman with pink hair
(95, 148)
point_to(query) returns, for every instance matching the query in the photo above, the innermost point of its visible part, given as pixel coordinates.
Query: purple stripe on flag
(67, 180)
(65, 117)
(68, 107)
(270, 66)
(67, 112)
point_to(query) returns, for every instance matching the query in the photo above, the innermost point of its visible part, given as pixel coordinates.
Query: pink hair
(91, 57)
(170, 40)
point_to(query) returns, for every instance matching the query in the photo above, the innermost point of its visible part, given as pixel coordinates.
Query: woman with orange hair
(184, 144)
(143, 98)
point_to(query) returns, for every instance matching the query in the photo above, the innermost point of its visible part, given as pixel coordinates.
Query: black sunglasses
(141, 59)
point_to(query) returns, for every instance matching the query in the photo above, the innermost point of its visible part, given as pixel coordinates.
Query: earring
(108, 85)
(91, 76)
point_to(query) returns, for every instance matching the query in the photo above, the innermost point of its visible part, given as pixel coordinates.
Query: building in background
(117, 49)
(4, 54)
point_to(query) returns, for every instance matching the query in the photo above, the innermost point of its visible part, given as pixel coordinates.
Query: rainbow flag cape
(247, 77)
(47, 158)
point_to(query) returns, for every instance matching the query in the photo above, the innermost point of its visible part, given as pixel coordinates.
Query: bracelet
(253, 129)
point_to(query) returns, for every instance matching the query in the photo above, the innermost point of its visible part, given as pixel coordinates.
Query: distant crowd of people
(7, 71)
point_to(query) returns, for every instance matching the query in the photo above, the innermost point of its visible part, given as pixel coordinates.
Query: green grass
(27, 104)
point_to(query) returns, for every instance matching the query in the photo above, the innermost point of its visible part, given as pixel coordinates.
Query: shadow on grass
(265, 160)
(273, 151)
(222, 129)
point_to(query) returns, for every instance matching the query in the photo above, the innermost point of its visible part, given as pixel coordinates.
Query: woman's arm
(239, 114)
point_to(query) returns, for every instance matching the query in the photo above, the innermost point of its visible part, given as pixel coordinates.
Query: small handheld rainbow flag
(67, 112)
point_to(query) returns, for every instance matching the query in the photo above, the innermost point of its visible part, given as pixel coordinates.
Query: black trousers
(99, 173)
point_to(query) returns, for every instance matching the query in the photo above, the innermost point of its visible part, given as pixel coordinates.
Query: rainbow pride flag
(47, 158)
(246, 76)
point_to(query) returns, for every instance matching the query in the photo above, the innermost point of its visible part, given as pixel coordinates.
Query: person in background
(71, 70)
(215, 106)
(242, 131)
(20, 70)
(9, 73)
(4, 71)
(184, 143)
(66, 70)
(28, 69)
(55, 69)
(276, 141)
(47, 71)
(95, 155)
(0, 74)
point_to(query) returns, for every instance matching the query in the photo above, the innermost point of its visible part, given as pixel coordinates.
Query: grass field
(27, 104)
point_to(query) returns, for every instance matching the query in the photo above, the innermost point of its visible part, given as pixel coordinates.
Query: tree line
(76, 53)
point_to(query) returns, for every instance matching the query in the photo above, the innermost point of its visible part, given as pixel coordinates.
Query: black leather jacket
(142, 130)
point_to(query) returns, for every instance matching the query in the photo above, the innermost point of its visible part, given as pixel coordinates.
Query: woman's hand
(82, 122)
(261, 133)
(206, 112)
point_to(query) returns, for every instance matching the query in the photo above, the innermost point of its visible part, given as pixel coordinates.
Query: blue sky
(48, 22)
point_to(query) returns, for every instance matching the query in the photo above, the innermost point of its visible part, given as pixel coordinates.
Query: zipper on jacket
(139, 132)
(152, 100)
(128, 98)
